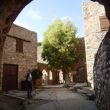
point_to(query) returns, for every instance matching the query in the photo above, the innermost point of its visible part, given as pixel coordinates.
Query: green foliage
(60, 45)
(36, 74)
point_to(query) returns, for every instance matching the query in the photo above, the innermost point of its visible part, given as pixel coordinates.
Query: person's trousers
(29, 93)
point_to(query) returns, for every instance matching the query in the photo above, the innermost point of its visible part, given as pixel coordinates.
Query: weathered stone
(9, 10)
(26, 59)
(93, 34)
(104, 75)
(102, 53)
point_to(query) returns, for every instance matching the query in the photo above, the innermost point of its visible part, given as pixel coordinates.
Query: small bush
(36, 74)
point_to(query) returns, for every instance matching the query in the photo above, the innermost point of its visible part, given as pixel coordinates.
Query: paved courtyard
(55, 99)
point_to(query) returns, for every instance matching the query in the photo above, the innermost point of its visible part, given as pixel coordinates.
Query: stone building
(19, 55)
(96, 26)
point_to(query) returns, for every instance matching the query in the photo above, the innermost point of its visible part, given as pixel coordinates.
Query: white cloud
(22, 25)
(76, 18)
(65, 18)
(62, 18)
(34, 14)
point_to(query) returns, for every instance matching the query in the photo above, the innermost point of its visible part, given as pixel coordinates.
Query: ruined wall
(25, 60)
(93, 34)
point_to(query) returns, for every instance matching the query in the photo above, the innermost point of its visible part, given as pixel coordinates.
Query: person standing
(29, 84)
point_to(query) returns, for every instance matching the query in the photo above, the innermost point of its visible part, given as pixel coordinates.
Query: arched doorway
(44, 77)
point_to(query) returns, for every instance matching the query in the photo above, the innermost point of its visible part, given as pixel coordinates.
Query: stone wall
(54, 76)
(79, 68)
(39, 56)
(102, 74)
(101, 68)
(93, 34)
(25, 60)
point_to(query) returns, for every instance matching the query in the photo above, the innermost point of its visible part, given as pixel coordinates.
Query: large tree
(60, 46)
(9, 10)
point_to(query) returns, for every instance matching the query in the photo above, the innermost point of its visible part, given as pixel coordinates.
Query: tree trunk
(9, 10)
(66, 78)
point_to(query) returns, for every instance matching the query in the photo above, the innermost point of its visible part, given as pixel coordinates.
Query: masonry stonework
(79, 68)
(101, 68)
(102, 74)
(93, 34)
(26, 59)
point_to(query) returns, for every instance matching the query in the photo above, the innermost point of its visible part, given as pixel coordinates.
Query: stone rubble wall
(102, 74)
(27, 59)
(22, 33)
(93, 34)
(97, 53)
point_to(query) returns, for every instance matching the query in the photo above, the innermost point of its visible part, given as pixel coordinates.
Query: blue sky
(40, 13)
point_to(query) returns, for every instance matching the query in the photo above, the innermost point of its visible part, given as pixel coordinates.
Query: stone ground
(9, 103)
(49, 99)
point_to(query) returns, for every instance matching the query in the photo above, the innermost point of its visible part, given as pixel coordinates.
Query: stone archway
(102, 67)
(51, 76)
(44, 77)
(10, 10)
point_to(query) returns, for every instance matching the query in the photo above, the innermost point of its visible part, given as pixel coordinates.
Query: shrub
(36, 74)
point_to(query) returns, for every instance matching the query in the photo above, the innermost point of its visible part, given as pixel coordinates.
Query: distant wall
(79, 68)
